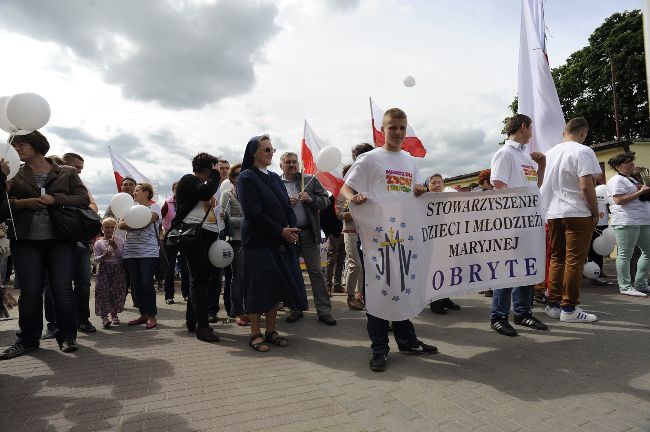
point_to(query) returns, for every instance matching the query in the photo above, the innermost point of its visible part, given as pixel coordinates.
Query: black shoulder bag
(186, 235)
(75, 223)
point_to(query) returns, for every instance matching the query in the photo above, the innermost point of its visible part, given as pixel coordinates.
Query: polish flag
(123, 168)
(411, 144)
(536, 93)
(311, 146)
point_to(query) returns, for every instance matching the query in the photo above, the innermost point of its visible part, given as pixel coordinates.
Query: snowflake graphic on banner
(390, 245)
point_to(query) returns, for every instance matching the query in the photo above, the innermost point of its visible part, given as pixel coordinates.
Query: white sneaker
(553, 312)
(633, 292)
(577, 316)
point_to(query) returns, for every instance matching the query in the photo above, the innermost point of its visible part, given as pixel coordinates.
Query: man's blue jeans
(81, 281)
(521, 297)
(36, 260)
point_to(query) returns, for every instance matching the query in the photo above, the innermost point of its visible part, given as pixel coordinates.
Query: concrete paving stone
(135, 373)
(131, 407)
(502, 423)
(210, 413)
(301, 426)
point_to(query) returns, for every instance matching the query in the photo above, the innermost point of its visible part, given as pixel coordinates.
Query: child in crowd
(110, 286)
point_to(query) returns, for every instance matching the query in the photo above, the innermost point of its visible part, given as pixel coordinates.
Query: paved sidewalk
(574, 377)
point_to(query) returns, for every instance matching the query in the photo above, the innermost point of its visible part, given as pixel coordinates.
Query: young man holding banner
(571, 208)
(511, 166)
(387, 170)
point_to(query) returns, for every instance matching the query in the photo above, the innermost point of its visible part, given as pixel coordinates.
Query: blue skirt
(272, 275)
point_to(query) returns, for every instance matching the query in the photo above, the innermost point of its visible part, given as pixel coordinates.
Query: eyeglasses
(268, 150)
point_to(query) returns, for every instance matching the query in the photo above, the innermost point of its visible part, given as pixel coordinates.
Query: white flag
(537, 96)
(123, 168)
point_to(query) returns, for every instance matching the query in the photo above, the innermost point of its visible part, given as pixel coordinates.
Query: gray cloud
(342, 5)
(87, 145)
(180, 55)
(457, 152)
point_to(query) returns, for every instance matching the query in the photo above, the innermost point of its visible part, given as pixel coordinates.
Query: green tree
(584, 83)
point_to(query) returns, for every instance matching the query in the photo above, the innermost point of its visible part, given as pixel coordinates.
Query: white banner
(439, 245)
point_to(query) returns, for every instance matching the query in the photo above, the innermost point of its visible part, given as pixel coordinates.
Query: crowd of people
(272, 220)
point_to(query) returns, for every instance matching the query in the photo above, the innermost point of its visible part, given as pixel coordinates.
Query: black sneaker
(447, 303)
(503, 327)
(421, 348)
(212, 318)
(87, 327)
(69, 345)
(378, 362)
(17, 349)
(437, 307)
(530, 321)
(169, 301)
(540, 298)
(49, 334)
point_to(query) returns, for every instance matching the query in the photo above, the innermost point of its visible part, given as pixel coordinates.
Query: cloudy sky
(160, 80)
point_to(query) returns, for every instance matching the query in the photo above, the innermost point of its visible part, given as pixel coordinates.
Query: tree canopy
(584, 83)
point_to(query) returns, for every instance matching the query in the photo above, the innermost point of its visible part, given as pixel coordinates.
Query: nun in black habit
(271, 266)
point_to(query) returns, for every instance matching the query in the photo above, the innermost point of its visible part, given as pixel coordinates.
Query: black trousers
(403, 331)
(200, 269)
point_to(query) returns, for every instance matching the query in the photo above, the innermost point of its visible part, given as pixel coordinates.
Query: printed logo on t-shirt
(530, 173)
(399, 181)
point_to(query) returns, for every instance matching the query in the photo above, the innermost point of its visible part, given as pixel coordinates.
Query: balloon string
(11, 215)
(9, 141)
(314, 176)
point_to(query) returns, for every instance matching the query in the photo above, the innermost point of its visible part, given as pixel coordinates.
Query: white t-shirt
(380, 172)
(565, 164)
(143, 242)
(635, 212)
(513, 166)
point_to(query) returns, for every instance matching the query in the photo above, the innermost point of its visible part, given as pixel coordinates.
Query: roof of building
(624, 144)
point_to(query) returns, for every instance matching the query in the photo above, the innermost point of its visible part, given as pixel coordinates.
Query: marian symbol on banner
(392, 245)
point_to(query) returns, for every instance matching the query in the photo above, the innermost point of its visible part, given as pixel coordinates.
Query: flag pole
(302, 159)
(372, 122)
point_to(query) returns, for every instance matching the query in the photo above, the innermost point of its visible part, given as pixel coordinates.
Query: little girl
(110, 285)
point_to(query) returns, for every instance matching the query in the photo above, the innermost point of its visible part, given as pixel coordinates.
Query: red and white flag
(311, 146)
(537, 95)
(123, 168)
(411, 144)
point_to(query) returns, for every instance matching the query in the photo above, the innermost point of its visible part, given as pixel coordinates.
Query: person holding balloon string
(38, 250)
(631, 224)
(195, 205)
(141, 251)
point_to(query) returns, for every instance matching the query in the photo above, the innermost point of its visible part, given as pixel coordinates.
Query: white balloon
(602, 246)
(28, 111)
(601, 191)
(120, 203)
(12, 159)
(591, 270)
(609, 234)
(328, 159)
(5, 124)
(409, 81)
(220, 254)
(138, 216)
